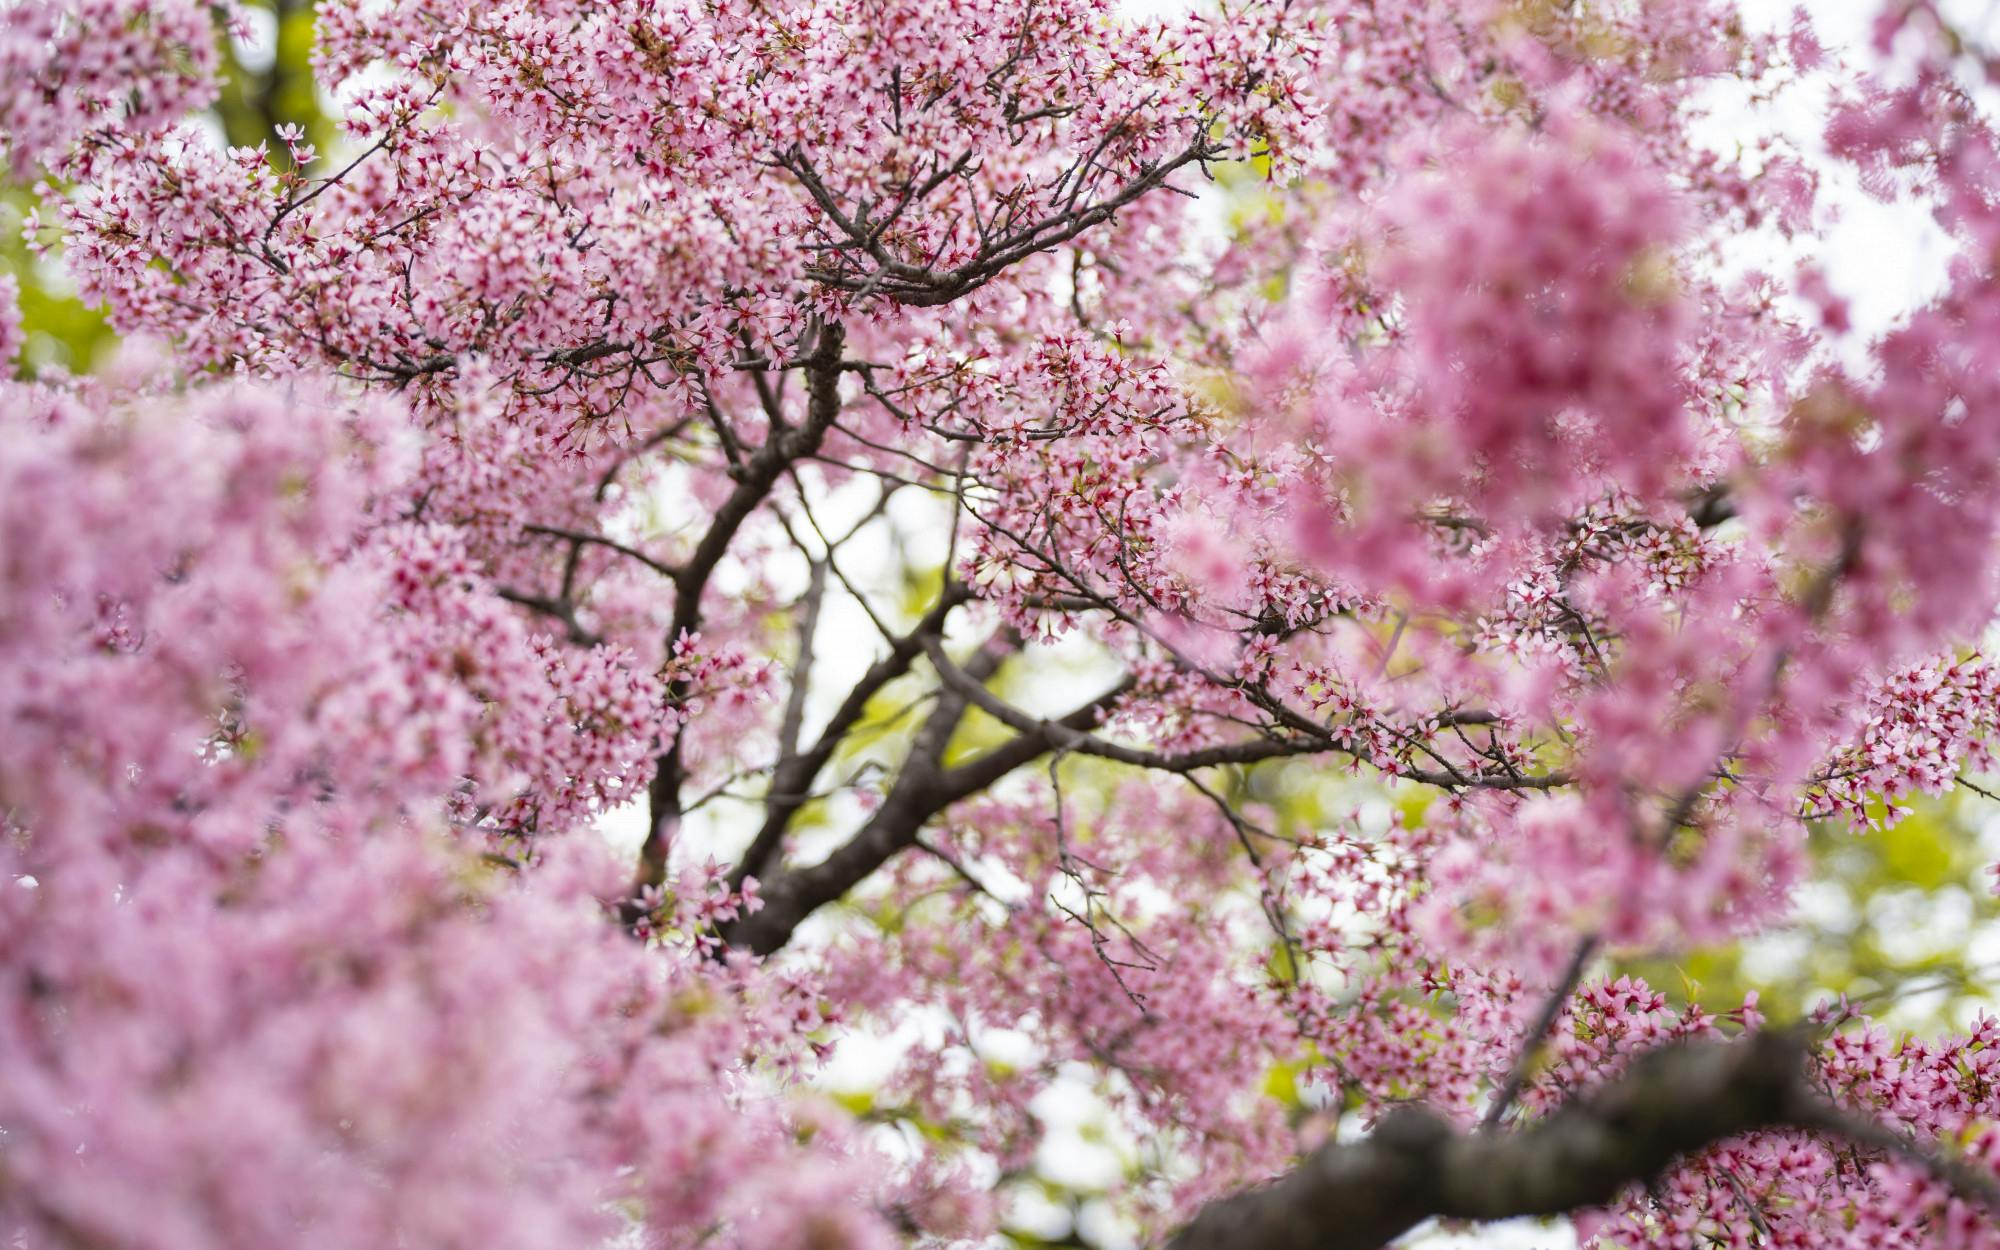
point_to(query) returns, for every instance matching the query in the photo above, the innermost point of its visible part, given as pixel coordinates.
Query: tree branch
(794, 719)
(923, 788)
(1255, 750)
(1673, 1102)
(922, 285)
(753, 484)
(1531, 1044)
(792, 778)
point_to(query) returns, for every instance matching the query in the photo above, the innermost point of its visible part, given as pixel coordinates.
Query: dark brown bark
(1674, 1102)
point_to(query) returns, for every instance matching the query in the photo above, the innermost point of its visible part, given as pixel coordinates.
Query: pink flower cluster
(258, 992)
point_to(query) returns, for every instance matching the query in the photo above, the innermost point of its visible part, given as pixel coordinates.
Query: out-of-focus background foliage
(62, 331)
(1900, 921)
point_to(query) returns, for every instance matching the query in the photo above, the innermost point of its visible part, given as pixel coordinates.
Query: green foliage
(62, 330)
(1886, 922)
(269, 87)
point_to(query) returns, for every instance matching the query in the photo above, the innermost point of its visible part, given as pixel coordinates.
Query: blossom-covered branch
(1678, 1101)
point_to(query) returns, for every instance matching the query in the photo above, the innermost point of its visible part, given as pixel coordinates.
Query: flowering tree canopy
(940, 469)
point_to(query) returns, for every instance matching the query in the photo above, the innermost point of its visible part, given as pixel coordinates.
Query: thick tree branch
(923, 788)
(753, 484)
(1674, 1102)
(792, 778)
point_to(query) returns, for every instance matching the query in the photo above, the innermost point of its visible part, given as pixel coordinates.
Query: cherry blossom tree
(942, 469)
